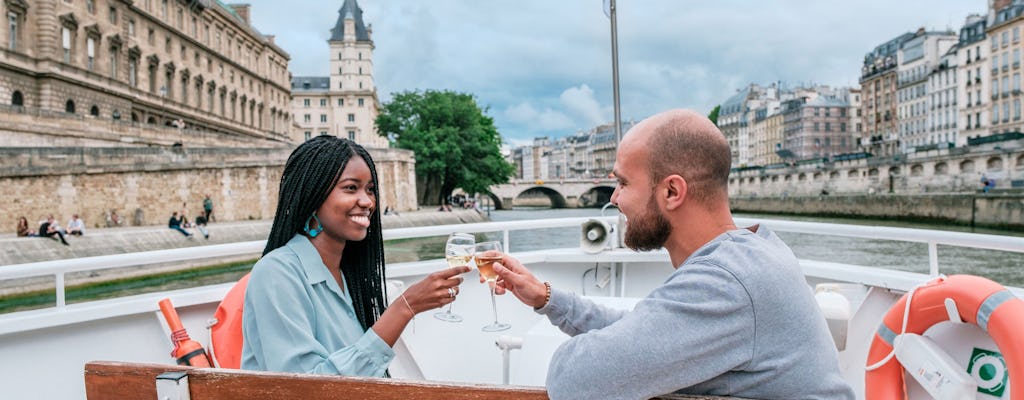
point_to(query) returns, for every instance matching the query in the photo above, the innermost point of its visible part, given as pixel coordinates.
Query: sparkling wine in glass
(458, 252)
(488, 253)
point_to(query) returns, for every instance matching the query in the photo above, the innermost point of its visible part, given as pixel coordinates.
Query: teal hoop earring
(315, 231)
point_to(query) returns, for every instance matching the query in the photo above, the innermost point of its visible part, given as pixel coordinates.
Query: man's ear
(675, 191)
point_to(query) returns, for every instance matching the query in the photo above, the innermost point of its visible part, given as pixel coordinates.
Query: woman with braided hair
(315, 301)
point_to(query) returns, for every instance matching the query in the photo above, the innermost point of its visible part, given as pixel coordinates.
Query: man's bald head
(686, 143)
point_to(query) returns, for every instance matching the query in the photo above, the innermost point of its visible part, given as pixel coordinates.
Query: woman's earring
(315, 231)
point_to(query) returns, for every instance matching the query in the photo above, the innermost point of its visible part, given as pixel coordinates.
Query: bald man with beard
(736, 316)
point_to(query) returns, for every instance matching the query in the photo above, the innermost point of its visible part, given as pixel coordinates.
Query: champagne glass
(488, 253)
(458, 251)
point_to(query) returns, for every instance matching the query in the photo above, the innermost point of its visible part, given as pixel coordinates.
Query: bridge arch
(596, 196)
(556, 198)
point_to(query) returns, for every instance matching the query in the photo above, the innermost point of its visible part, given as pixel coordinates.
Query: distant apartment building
(737, 114)
(943, 106)
(583, 155)
(1004, 34)
(816, 127)
(344, 104)
(917, 58)
(973, 80)
(856, 111)
(878, 81)
(196, 69)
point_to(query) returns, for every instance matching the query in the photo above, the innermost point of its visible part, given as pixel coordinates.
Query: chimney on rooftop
(242, 10)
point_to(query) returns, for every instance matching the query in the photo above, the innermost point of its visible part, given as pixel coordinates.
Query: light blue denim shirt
(297, 319)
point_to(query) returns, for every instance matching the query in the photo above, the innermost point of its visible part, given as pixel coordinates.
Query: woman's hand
(433, 291)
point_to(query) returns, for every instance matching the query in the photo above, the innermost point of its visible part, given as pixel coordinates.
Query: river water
(1003, 267)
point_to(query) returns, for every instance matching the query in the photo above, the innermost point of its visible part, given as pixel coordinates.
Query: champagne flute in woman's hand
(458, 251)
(488, 253)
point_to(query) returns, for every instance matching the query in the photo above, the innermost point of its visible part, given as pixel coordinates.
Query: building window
(352, 135)
(323, 133)
(305, 103)
(323, 102)
(151, 37)
(133, 70)
(94, 111)
(308, 135)
(65, 36)
(306, 118)
(323, 117)
(113, 15)
(341, 102)
(131, 28)
(360, 101)
(90, 50)
(17, 99)
(113, 62)
(69, 106)
(351, 118)
(90, 6)
(12, 31)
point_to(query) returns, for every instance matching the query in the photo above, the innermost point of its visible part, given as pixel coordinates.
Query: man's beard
(649, 230)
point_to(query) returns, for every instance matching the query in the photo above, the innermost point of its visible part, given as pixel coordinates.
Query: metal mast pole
(615, 73)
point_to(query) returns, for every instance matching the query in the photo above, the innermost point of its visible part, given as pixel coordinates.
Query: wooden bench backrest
(108, 380)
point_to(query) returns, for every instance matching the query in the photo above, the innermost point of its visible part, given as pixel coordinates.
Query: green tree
(713, 115)
(456, 145)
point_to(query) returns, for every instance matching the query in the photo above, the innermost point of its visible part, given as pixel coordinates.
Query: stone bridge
(562, 193)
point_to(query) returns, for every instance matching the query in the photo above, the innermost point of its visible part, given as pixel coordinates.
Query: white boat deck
(52, 345)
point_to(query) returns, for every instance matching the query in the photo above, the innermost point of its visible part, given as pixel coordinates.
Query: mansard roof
(350, 9)
(311, 83)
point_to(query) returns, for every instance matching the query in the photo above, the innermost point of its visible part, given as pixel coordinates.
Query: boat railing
(58, 269)
(129, 381)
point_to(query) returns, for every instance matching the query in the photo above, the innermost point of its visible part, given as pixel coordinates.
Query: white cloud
(544, 68)
(580, 100)
(525, 115)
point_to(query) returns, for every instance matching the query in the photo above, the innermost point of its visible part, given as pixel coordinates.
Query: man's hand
(514, 277)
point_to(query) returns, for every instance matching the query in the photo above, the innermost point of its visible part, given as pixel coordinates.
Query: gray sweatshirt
(736, 318)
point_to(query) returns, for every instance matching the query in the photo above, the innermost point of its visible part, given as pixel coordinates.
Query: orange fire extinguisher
(186, 351)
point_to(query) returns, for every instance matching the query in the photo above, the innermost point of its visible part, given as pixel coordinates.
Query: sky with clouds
(543, 67)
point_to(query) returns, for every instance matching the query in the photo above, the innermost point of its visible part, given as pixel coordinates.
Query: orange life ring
(979, 301)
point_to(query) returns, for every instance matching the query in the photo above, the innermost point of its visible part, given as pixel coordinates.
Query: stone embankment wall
(144, 185)
(996, 210)
(936, 171)
(104, 241)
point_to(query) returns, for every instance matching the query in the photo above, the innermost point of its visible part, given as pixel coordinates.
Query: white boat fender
(933, 368)
(836, 309)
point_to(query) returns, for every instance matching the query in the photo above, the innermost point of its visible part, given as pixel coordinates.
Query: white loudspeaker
(596, 236)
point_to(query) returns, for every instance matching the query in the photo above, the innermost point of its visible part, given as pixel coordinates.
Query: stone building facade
(878, 82)
(1005, 47)
(345, 103)
(197, 66)
(973, 80)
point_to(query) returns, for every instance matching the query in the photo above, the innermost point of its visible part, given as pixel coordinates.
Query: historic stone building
(195, 71)
(973, 80)
(141, 108)
(917, 58)
(345, 103)
(878, 82)
(1005, 65)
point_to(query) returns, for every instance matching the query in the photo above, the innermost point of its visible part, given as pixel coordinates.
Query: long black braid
(312, 171)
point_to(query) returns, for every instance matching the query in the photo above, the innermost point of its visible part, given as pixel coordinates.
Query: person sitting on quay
(76, 226)
(201, 225)
(175, 223)
(23, 230)
(50, 228)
